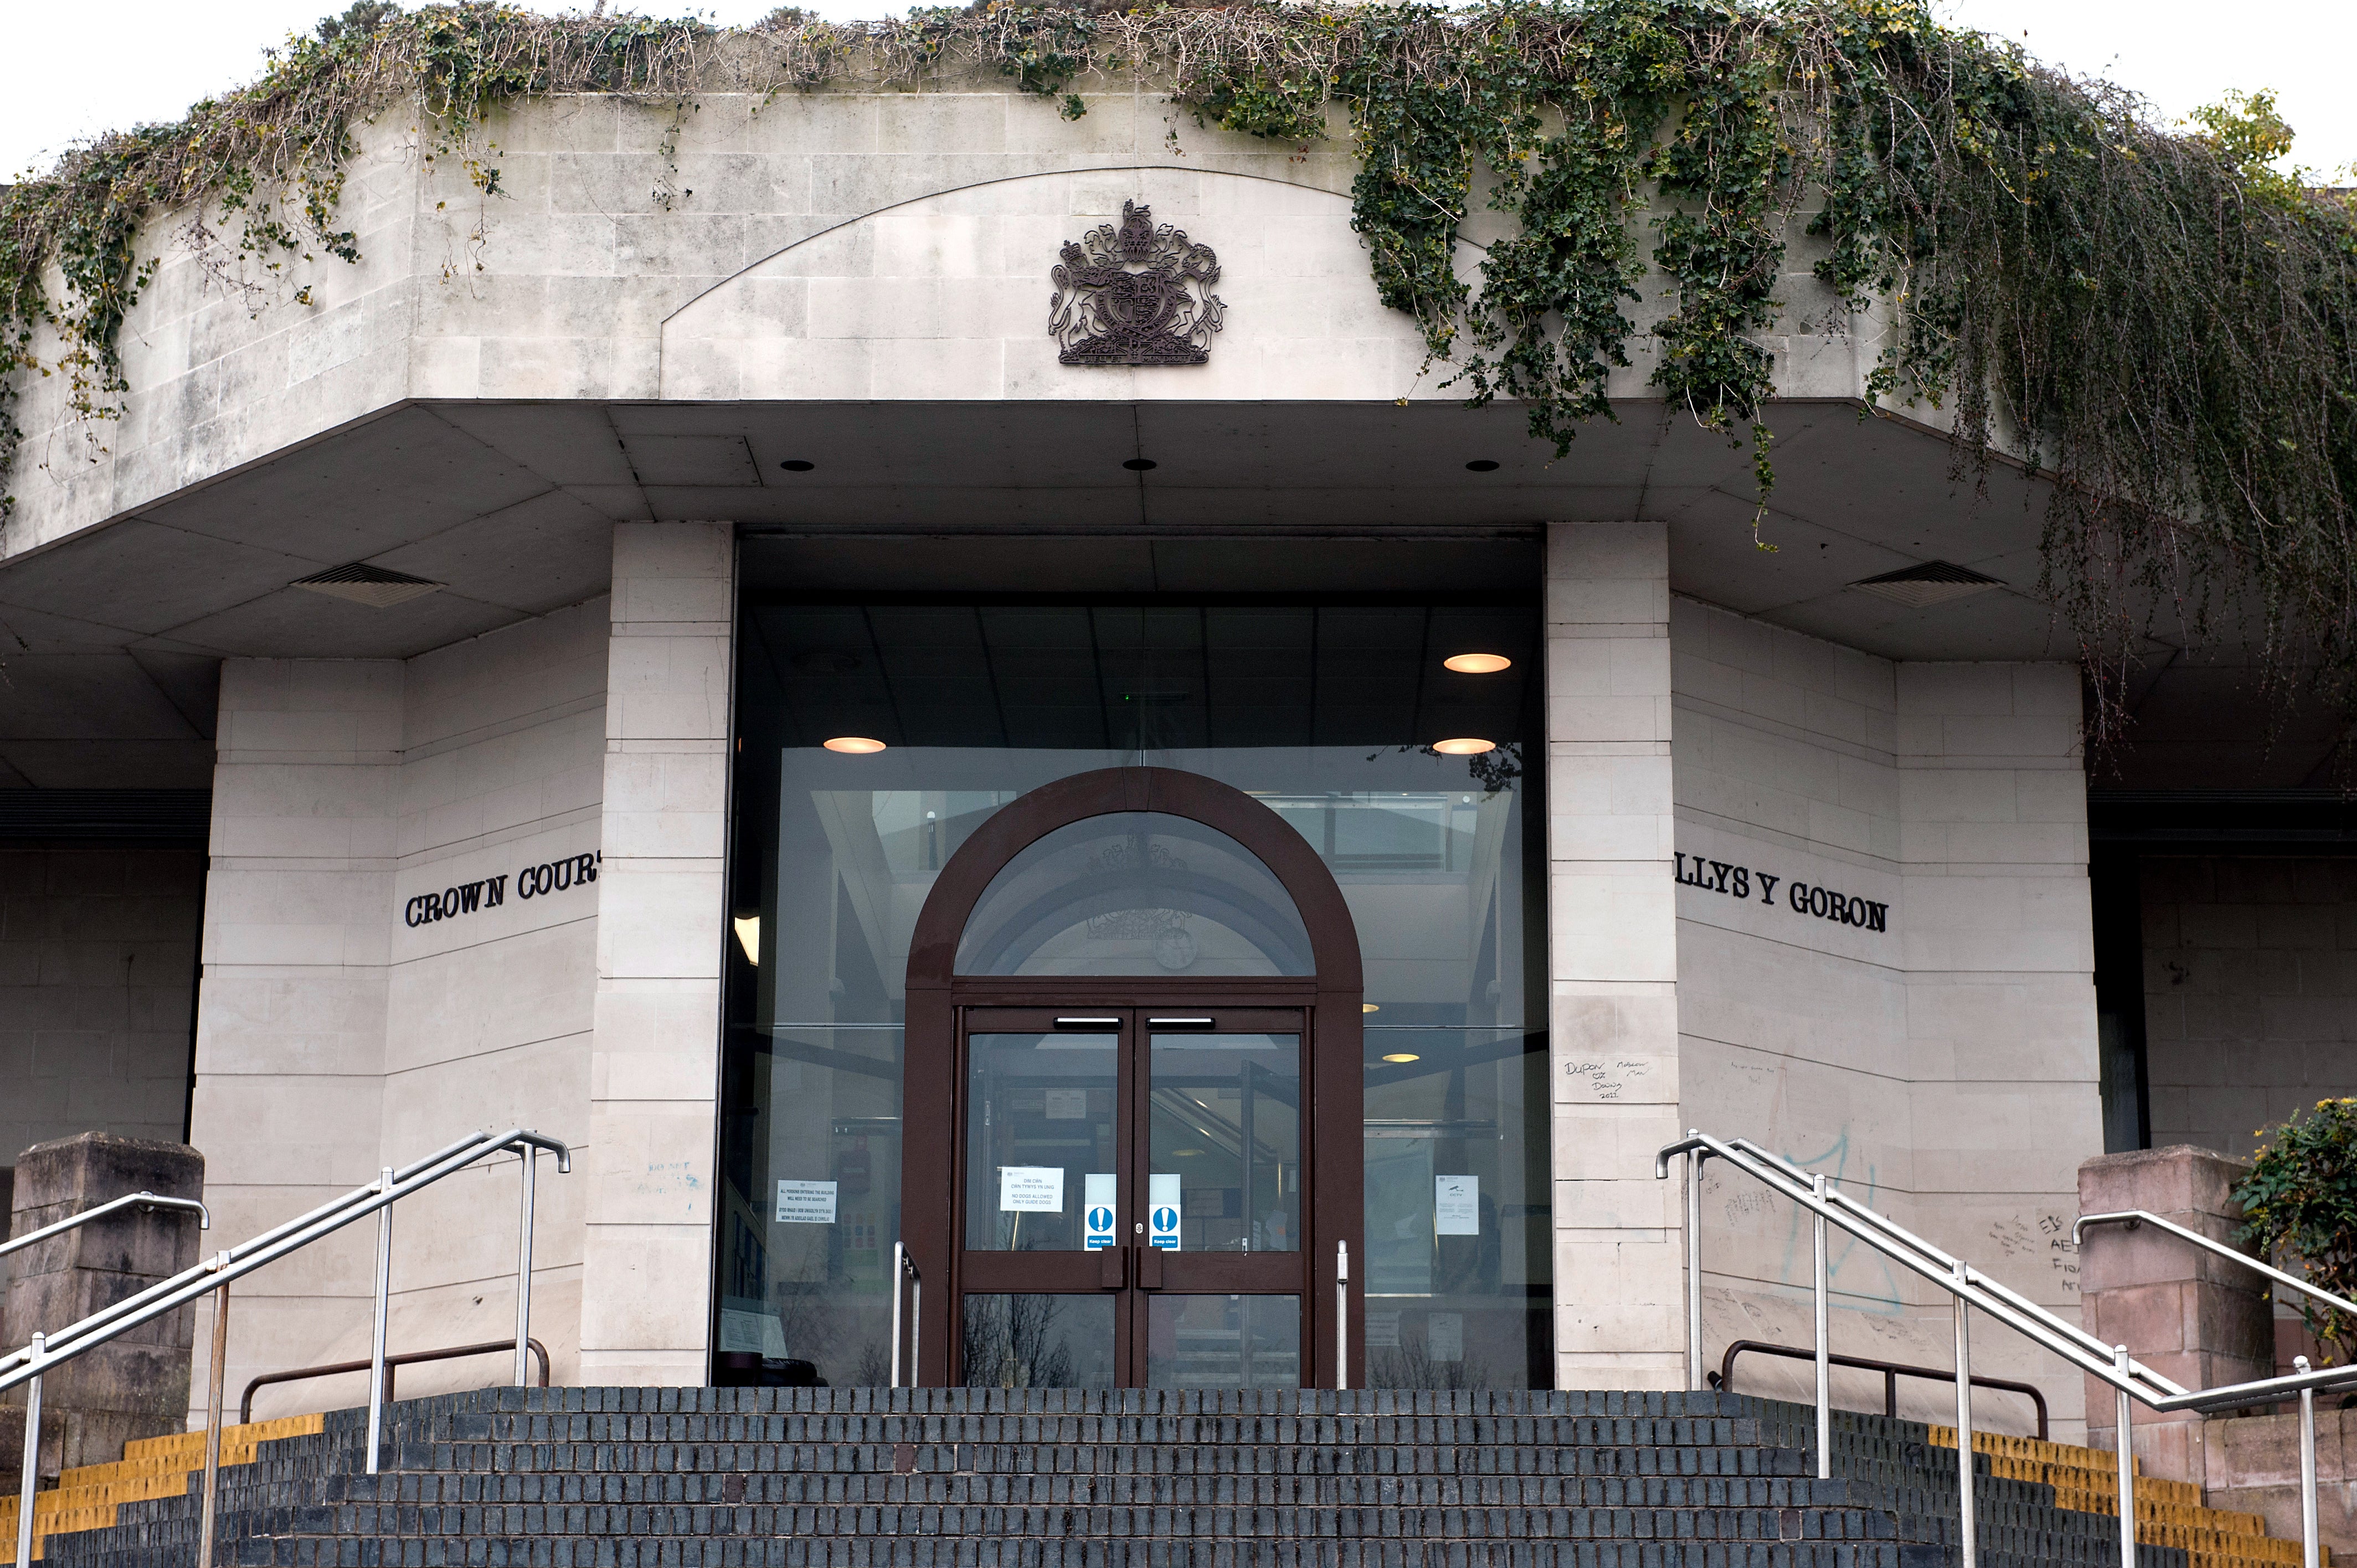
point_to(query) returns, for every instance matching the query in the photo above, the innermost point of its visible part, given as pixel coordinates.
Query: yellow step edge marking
(86, 1496)
(2167, 1513)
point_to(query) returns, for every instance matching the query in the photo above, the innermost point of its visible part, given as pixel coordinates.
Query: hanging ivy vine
(2161, 321)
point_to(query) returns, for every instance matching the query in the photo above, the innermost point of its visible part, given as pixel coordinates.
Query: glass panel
(1039, 1342)
(810, 1205)
(1458, 1231)
(1134, 893)
(1038, 1133)
(1227, 1124)
(1223, 1342)
(1324, 711)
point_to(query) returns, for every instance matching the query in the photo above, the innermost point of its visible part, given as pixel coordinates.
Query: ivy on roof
(2159, 322)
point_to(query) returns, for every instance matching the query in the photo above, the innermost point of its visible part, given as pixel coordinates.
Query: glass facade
(1326, 712)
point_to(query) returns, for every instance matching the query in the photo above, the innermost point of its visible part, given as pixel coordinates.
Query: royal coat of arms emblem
(1136, 295)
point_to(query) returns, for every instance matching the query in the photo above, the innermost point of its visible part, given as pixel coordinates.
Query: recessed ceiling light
(1476, 663)
(856, 745)
(1402, 1056)
(1139, 465)
(1464, 746)
(1483, 466)
(1369, 1007)
(798, 464)
(1185, 1153)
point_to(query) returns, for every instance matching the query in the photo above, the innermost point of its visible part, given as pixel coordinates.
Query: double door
(1133, 1186)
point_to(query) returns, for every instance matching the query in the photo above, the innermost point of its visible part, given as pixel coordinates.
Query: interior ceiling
(110, 639)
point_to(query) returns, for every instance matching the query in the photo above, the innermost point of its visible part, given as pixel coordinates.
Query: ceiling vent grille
(371, 586)
(1929, 583)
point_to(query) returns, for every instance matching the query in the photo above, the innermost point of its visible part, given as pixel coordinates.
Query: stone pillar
(1612, 964)
(299, 915)
(2188, 1315)
(662, 907)
(136, 1386)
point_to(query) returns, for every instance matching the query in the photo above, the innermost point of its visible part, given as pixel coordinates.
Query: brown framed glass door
(1132, 1189)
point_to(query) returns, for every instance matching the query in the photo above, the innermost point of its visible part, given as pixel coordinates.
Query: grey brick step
(412, 1551)
(1089, 1490)
(953, 1478)
(1104, 1523)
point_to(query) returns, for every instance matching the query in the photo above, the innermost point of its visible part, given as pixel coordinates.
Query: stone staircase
(2168, 1513)
(1058, 1478)
(89, 1497)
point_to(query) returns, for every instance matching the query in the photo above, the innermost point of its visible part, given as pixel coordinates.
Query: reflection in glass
(1136, 892)
(1457, 1240)
(810, 1203)
(1039, 1121)
(1223, 1342)
(1227, 1122)
(1323, 713)
(1037, 1342)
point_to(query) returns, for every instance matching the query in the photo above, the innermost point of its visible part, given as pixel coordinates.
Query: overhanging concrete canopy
(510, 505)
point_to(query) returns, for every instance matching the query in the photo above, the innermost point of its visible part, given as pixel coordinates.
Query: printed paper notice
(1031, 1189)
(1444, 1336)
(1456, 1205)
(806, 1203)
(1068, 1105)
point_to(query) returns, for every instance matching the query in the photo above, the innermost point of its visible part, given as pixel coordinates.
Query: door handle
(1112, 1267)
(1150, 1268)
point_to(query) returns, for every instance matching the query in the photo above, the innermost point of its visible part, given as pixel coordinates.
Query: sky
(159, 56)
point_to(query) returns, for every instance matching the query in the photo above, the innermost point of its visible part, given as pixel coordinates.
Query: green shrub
(2299, 1207)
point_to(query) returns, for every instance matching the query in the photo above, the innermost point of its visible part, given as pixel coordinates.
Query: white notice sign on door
(1456, 1205)
(1068, 1105)
(1031, 1189)
(806, 1203)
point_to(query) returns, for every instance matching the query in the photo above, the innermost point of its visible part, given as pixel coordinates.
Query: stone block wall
(136, 1385)
(98, 956)
(2191, 1316)
(1937, 1057)
(2250, 993)
(349, 1021)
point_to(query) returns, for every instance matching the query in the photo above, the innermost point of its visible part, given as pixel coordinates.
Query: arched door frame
(1333, 1119)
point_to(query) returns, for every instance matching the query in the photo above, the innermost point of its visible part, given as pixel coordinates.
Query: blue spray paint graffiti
(1871, 1287)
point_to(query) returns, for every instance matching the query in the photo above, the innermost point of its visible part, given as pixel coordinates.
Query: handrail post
(1342, 1315)
(31, 1478)
(1966, 1553)
(523, 1268)
(376, 1337)
(2127, 1466)
(2308, 1521)
(207, 1527)
(1825, 1346)
(1696, 1377)
(899, 1282)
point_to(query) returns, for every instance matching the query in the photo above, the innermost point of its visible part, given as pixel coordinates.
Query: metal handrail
(904, 1272)
(147, 1200)
(406, 1358)
(1892, 1373)
(2130, 1218)
(1968, 1288)
(216, 1274)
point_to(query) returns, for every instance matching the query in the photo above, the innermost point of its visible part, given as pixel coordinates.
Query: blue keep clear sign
(1098, 1193)
(1162, 1212)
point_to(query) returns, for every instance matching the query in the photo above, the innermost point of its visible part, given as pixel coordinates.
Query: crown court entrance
(1156, 1175)
(1131, 964)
